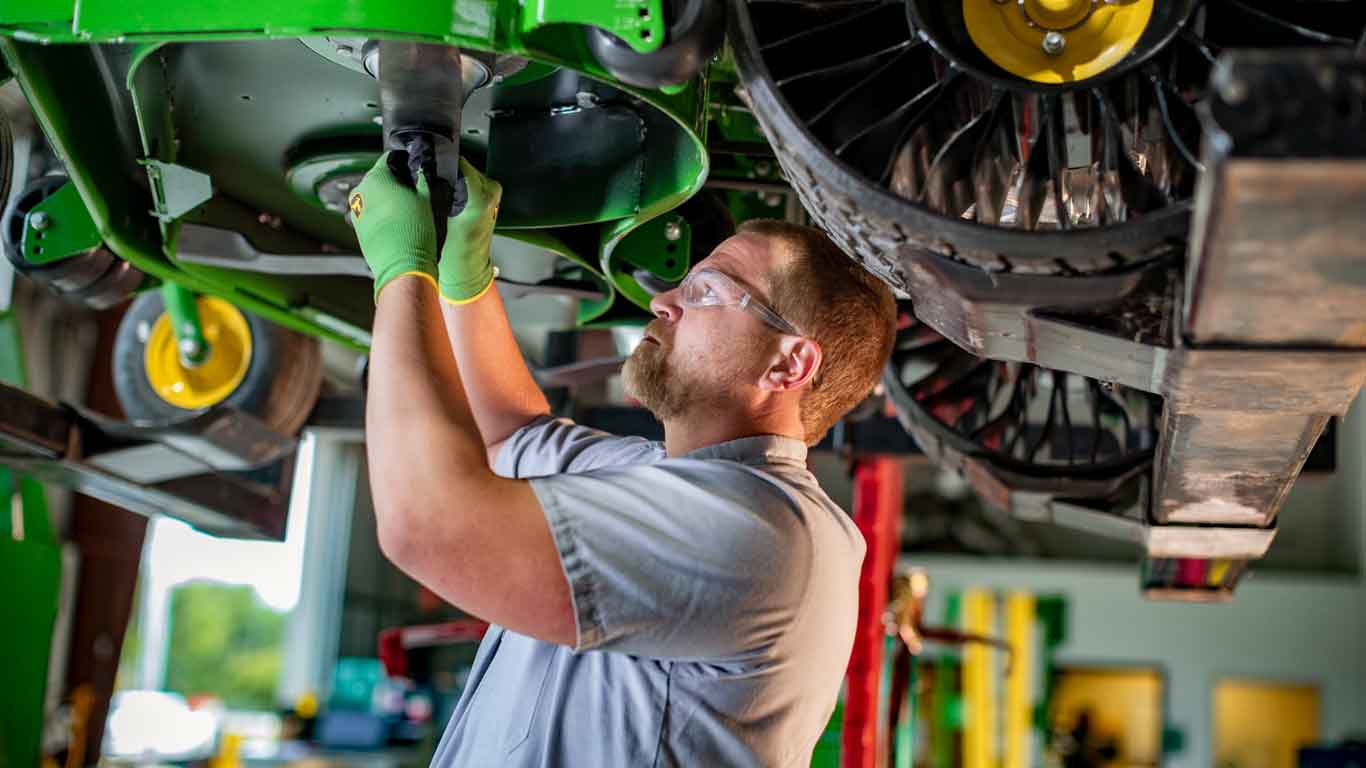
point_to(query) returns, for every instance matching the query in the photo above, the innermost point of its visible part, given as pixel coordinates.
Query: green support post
(947, 717)
(30, 579)
(1052, 613)
(905, 732)
(183, 309)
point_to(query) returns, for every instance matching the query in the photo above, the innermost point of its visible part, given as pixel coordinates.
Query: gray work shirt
(715, 597)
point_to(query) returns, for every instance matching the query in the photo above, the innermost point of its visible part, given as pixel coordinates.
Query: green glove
(466, 270)
(393, 222)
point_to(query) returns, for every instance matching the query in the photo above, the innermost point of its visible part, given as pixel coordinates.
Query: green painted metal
(151, 96)
(947, 718)
(548, 29)
(737, 123)
(176, 190)
(472, 21)
(74, 113)
(827, 751)
(1052, 614)
(310, 173)
(905, 731)
(30, 578)
(662, 246)
(182, 306)
(589, 311)
(189, 115)
(744, 206)
(639, 23)
(58, 228)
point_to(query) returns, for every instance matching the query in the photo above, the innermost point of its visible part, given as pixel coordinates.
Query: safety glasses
(710, 288)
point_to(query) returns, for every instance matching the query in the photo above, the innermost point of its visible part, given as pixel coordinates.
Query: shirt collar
(760, 449)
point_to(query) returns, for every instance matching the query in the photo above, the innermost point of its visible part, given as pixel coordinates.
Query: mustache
(655, 329)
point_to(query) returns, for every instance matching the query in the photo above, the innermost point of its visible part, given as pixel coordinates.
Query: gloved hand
(466, 270)
(393, 221)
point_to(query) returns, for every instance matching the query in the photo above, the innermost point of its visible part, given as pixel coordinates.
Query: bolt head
(1054, 43)
(673, 231)
(189, 348)
(39, 220)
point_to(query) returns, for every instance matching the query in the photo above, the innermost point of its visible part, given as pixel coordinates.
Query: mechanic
(687, 603)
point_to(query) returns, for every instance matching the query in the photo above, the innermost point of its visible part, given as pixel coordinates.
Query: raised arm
(479, 541)
(503, 396)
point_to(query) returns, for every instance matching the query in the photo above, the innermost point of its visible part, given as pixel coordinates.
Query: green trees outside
(224, 642)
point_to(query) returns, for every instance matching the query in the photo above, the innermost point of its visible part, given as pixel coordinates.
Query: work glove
(393, 220)
(466, 270)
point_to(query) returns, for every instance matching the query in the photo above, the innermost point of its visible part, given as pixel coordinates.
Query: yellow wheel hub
(1056, 41)
(209, 383)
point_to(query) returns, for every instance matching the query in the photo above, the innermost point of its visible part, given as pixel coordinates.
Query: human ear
(797, 362)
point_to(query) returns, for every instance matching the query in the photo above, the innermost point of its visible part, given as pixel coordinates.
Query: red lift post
(877, 513)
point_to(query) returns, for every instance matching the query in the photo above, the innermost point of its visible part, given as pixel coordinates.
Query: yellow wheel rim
(209, 383)
(1085, 37)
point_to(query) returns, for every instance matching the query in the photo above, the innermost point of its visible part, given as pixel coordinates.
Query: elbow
(394, 529)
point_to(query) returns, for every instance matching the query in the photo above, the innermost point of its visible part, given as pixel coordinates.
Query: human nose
(666, 306)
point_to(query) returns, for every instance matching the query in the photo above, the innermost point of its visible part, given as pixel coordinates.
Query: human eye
(709, 290)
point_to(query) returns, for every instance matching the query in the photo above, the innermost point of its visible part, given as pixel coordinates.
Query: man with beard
(687, 603)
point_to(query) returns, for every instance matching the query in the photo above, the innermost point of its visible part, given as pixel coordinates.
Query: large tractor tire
(1053, 138)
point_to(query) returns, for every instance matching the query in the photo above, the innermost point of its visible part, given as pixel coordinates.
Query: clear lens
(708, 288)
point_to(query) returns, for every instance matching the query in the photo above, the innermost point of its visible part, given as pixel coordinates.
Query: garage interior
(1113, 482)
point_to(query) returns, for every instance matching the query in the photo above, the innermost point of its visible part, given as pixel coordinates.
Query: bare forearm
(477, 540)
(502, 394)
(419, 428)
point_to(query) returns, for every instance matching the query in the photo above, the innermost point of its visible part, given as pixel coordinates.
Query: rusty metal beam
(55, 444)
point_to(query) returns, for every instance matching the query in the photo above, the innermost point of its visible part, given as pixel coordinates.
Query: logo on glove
(357, 205)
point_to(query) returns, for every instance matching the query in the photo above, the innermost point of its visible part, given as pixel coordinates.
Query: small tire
(280, 387)
(96, 278)
(697, 28)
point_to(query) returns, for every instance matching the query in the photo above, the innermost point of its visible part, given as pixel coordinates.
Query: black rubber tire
(281, 385)
(135, 393)
(697, 28)
(12, 220)
(873, 225)
(96, 278)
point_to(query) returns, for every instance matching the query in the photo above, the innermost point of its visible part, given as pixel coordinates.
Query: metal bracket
(58, 228)
(176, 190)
(662, 246)
(181, 468)
(639, 23)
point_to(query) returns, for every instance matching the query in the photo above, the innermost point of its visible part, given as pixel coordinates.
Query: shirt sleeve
(681, 559)
(550, 445)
